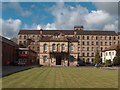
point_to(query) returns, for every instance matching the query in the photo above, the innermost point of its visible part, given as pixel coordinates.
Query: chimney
(41, 31)
(78, 27)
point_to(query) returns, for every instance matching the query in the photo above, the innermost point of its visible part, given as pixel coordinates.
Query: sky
(57, 16)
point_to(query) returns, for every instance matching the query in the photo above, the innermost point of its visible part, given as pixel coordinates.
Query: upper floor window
(24, 42)
(92, 38)
(105, 37)
(92, 43)
(87, 48)
(20, 37)
(114, 38)
(83, 43)
(105, 43)
(38, 48)
(24, 37)
(20, 42)
(62, 47)
(87, 42)
(96, 43)
(83, 37)
(45, 47)
(96, 37)
(71, 47)
(78, 37)
(87, 37)
(109, 43)
(53, 47)
(110, 38)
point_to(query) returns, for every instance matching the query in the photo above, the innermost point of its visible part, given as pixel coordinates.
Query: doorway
(58, 60)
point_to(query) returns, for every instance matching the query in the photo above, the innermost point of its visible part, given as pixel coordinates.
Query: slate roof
(114, 47)
(68, 32)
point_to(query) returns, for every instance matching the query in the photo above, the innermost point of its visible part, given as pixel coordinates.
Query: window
(44, 59)
(114, 43)
(92, 43)
(20, 37)
(105, 43)
(45, 47)
(105, 37)
(96, 43)
(83, 54)
(87, 48)
(92, 38)
(110, 38)
(24, 37)
(78, 37)
(87, 54)
(109, 43)
(92, 54)
(53, 47)
(96, 37)
(33, 48)
(83, 43)
(83, 37)
(78, 49)
(71, 48)
(92, 48)
(63, 47)
(24, 42)
(115, 38)
(110, 53)
(92, 60)
(20, 42)
(88, 60)
(106, 53)
(101, 43)
(83, 48)
(87, 37)
(38, 48)
(101, 48)
(87, 42)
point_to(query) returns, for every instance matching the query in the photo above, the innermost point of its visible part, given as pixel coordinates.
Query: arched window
(71, 48)
(53, 47)
(62, 47)
(45, 47)
(44, 59)
(58, 47)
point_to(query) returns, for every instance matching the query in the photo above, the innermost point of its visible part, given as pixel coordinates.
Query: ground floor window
(44, 59)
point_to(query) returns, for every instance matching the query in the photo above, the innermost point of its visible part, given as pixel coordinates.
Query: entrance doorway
(58, 60)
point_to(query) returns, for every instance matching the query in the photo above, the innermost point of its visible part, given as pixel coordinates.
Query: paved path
(7, 70)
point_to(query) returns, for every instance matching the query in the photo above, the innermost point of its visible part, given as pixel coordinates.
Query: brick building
(62, 47)
(9, 51)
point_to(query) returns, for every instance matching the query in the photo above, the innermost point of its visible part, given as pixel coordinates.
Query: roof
(7, 41)
(114, 47)
(46, 32)
(88, 32)
(68, 32)
(118, 33)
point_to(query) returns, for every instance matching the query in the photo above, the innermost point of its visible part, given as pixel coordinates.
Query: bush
(116, 61)
(108, 63)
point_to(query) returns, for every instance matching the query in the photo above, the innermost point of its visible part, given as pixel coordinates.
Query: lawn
(62, 78)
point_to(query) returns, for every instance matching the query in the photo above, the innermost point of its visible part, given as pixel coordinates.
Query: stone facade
(84, 43)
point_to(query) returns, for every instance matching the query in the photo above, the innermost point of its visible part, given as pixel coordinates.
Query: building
(109, 53)
(9, 51)
(58, 47)
(26, 57)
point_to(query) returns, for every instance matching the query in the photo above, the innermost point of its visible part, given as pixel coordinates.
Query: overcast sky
(58, 15)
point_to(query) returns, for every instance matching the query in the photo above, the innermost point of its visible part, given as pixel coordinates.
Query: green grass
(62, 78)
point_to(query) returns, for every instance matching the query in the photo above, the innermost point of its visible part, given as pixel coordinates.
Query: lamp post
(68, 51)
